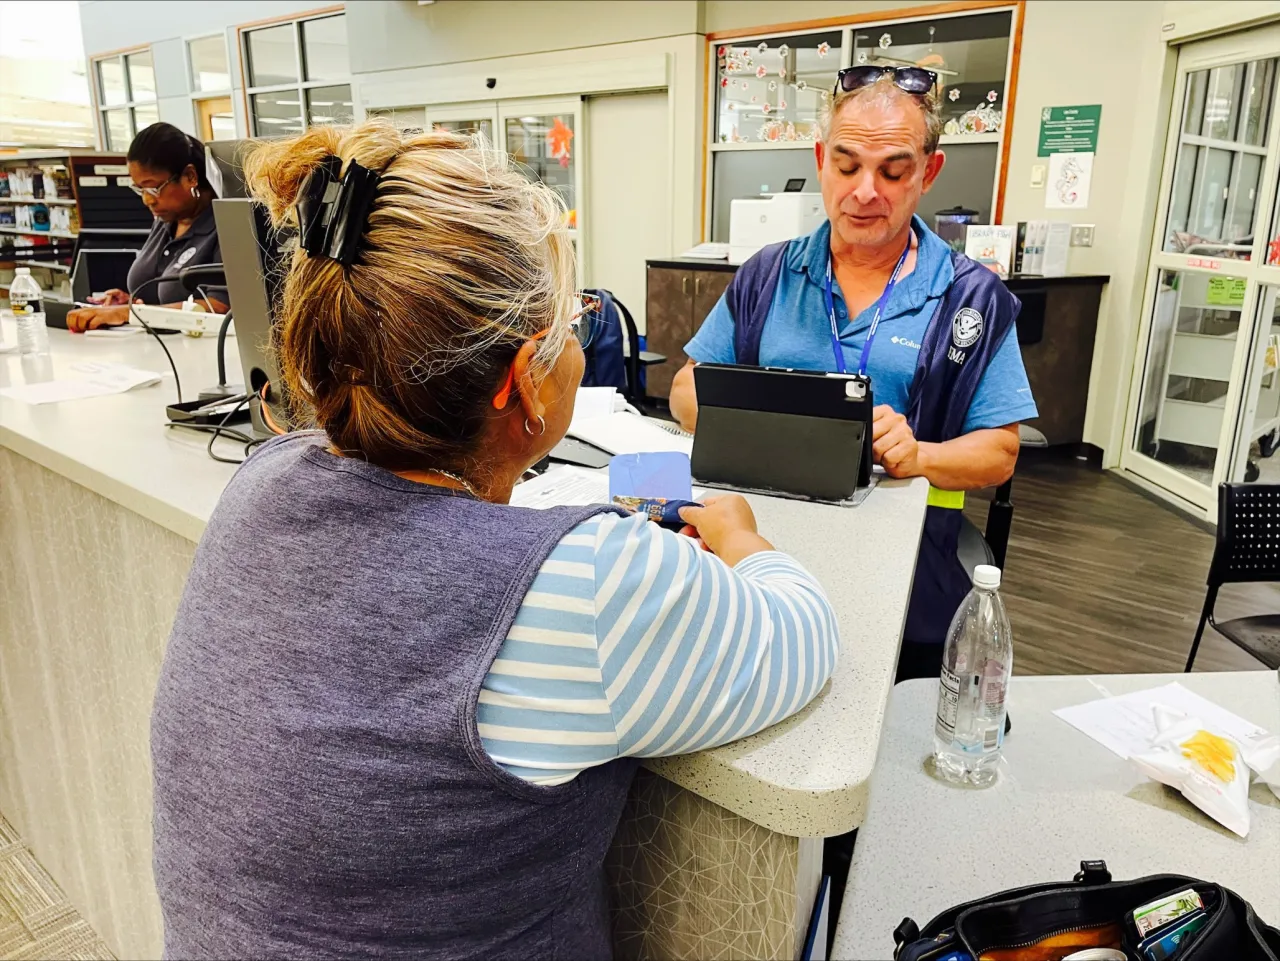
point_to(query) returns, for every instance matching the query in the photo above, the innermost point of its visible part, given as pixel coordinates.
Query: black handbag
(1046, 922)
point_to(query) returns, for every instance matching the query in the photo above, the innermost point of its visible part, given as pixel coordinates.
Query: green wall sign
(1225, 292)
(1070, 129)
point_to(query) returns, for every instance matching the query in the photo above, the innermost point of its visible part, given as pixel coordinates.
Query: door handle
(697, 285)
(684, 285)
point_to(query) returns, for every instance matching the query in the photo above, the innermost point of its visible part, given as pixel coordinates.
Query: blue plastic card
(665, 474)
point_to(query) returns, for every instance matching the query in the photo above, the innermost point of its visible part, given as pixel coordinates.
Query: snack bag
(1206, 766)
(1262, 753)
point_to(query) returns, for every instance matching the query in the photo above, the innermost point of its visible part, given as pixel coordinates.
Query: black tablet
(795, 432)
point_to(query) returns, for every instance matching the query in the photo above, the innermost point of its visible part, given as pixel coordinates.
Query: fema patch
(966, 327)
(184, 258)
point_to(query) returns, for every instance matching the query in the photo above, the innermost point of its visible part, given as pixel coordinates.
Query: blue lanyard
(875, 318)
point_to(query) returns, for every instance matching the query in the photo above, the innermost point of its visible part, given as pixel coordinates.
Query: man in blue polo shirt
(875, 290)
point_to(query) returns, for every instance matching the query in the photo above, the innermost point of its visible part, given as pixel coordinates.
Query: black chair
(634, 359)
(1247, 551)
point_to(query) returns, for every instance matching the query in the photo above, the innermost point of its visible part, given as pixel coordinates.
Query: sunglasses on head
(583, 327)
(914, 80)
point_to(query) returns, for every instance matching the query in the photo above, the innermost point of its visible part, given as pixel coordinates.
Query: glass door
(466, 118)
(545, 138)
(1206, 281)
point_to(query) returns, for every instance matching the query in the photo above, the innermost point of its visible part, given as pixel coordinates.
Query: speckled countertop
(1062, 798)
(806, 777)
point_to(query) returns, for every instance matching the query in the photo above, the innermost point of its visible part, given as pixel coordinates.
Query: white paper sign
(111, 169)
(1069, 177)
(89, 379)
(124, 181)
(93, 181)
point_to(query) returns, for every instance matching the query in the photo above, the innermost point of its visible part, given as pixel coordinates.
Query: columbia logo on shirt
(905, 342)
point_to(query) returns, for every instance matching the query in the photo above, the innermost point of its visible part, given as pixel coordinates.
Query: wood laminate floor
(1100, 579)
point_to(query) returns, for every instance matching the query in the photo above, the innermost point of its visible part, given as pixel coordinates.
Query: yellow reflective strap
(952, 500)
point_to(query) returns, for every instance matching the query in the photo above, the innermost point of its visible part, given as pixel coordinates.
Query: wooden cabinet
(678, 299)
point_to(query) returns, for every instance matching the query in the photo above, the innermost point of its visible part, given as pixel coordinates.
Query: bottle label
(948, 704)
(21, 305)
(992, 707)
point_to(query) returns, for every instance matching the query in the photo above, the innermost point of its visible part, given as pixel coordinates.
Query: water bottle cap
(986, 576)
(22, 272)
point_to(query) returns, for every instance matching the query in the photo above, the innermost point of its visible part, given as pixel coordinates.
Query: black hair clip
(332, 211)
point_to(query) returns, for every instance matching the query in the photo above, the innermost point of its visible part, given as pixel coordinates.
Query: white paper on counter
(1125, 724)
(563, 486)
(89, 379)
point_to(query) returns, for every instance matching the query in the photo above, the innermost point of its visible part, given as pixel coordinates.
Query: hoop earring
(529, 430)
(195, 192)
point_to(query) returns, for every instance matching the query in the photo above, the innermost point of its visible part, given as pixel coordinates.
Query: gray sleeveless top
(320, 785)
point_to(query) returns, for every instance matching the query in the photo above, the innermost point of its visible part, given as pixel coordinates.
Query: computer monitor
(253, 259)
(227, 159)
(95, 271)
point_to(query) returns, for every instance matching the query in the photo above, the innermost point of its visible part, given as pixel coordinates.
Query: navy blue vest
(970, 324)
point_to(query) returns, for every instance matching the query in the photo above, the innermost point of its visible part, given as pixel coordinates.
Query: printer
(756, 222)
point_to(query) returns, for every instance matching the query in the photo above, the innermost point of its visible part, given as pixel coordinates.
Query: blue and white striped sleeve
(688, 652)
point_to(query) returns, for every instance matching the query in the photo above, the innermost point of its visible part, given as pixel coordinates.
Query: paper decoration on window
(766, 108)
(782, 105)
(862, 57)
(732, 66)
(992, 96)
(754, 98)
(732, 105)
(824, 48)
(954, 94)
(745, 85)
(1273, 252)
(783, 50)
(790, 132)
(983, 119)
(782, 72)
(721, 51)
(724, 82)
(886, 41)
(773, 85)
(559, 137)
(801, 85)
(762, 46)
(761, 71)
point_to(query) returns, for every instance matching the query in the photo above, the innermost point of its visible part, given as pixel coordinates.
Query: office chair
(1247, 551)
(634, 360)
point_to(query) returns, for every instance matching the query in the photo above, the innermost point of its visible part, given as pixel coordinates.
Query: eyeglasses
(152, 192)
(581, 322)
(913, 80)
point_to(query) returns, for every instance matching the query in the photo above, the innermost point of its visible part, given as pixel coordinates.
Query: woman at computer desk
(167, 168)
(397, 716)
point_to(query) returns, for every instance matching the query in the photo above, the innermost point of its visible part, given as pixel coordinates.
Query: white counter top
(806, 777)
(118, 446)
(1061, 798)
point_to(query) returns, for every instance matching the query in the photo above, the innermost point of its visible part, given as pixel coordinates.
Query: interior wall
(1125, 64)
(1186, 19)
(398, 35)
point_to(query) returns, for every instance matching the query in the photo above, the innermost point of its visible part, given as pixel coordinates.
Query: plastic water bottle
(976, 664)
(28, 309)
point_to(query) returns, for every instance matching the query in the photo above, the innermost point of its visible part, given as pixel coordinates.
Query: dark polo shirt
(163, 256)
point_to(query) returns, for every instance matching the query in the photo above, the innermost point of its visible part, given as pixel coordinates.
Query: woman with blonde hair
(397, 716)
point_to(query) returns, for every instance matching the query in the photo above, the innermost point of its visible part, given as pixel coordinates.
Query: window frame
(101, 108)
(302, 85)
(848, 24)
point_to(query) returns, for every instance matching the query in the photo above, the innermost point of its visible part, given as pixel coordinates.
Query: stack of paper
(88, 379)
